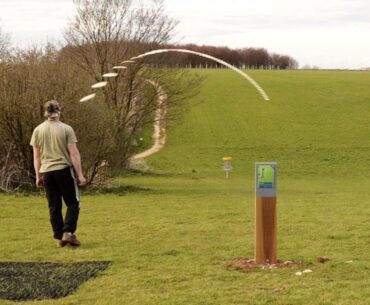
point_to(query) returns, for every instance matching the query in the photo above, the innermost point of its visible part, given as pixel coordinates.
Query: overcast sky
(324, 33)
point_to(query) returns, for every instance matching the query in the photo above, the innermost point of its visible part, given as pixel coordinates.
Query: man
(55, 156)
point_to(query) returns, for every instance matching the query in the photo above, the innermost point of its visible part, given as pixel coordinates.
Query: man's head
(52, 109)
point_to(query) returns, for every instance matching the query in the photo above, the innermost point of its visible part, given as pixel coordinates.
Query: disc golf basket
(227, 165)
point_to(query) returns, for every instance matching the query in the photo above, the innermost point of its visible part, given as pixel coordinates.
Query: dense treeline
(246, 58)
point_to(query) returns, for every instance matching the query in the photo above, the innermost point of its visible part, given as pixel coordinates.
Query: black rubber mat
(37, 281)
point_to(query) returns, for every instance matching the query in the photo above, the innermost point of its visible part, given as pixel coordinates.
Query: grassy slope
(170, 245)
(320, 118)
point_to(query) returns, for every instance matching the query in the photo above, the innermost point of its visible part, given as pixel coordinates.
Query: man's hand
(82, 181)
(76, 161)
(39, 183)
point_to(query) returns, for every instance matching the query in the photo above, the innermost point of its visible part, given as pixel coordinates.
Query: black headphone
(52, 108)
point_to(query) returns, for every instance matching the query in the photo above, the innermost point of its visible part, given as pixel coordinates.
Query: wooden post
(266, 221)
(265, 248)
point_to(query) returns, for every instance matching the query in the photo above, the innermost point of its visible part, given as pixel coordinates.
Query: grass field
(171, 243)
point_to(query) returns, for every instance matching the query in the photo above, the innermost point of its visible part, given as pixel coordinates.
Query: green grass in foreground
(171, 244)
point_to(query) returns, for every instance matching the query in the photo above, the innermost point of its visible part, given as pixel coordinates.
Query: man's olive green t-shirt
(52, 138)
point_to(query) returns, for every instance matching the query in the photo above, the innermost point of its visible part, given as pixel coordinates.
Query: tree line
(245, 58)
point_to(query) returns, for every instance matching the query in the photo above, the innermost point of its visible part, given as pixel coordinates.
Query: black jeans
(62, 184)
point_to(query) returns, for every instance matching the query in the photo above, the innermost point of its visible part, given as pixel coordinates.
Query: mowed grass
(171, 244)
(316, 124)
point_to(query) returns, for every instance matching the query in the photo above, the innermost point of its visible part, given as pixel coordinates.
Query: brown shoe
(61, 243)
(69, 238)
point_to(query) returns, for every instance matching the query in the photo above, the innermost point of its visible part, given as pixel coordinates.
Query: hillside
(316, 124)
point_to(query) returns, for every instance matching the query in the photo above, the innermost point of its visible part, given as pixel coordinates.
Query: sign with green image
(266, 176)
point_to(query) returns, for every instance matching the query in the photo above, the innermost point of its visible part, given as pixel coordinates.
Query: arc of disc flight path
(159, 142)
(245, 75)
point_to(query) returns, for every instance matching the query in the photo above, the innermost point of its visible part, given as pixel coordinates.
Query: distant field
(316, 124)
(170, 244)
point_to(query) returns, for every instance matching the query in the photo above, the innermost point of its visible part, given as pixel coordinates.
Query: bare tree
(19, 83)
(106, 32)
(293, 64)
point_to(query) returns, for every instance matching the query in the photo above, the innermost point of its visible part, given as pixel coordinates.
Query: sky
(330, 34)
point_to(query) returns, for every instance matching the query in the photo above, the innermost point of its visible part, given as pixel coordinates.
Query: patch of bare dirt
(249, 265)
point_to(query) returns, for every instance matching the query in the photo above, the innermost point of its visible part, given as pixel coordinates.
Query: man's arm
(37, 165)
(76, 161)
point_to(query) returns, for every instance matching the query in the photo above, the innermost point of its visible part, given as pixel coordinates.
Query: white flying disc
(99, 85)
(119, 67)
(112, 74)
(87, 98)
(128, 62)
